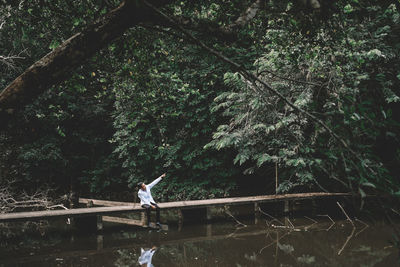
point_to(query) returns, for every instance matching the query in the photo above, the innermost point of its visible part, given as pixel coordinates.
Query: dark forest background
(154, 101)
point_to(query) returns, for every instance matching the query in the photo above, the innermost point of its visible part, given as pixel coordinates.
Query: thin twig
(309, 226)
(345, 213)
(362, 230)
(310, 219)
(358, 220)
(274, 219)
(333, 222)
(291, 224)
(347, 241)
(237, 221)
(395, 211)
(57, 206)
(326, 215)
(261, 250)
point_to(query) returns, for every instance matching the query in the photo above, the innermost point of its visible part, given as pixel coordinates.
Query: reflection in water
(324, 243)
(145, 256)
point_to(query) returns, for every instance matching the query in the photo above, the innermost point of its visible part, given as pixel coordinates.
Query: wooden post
(276, 248)
(276, 178)
(180, 219)
(256, 213)
(143, 218)
(209, 229)
(286, 212)
(100, 242)
(99, 222)
(286, 207)
(314, 207)
(208, 214)
(184, 253)
(208, 219)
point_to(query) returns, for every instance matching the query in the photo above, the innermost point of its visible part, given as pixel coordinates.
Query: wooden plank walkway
(81, 212)
(113, 207)
(220, 201)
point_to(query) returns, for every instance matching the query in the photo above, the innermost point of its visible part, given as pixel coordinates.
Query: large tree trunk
(57, 65)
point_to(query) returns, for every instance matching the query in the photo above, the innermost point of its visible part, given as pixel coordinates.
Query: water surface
(297, 242)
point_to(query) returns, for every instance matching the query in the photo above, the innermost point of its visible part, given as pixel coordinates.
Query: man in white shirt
(146, 199)
(146, 257)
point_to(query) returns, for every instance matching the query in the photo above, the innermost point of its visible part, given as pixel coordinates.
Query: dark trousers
(149, 208)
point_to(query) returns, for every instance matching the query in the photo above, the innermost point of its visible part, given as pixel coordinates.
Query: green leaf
(362, 193)
(76, 21)
(54, 44)
(348, 9)
(368, 184)
(262, 159)
(241, 158)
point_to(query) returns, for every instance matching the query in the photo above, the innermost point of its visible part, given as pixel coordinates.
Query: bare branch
(347, 241)
(273, 218)
(9, 61)
(237, 221)
(340, 206)
(11, 201)
(56, 66)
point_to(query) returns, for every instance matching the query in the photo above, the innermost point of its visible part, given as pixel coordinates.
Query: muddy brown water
(293, 242)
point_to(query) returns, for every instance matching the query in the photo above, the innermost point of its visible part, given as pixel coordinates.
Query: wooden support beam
(286, 207)
(256, 213)
(99, 223)
(47, 214)
(122, 220)
(180, 219)
(208, 214)
(209, 230)
(143, 219)
(100, 242)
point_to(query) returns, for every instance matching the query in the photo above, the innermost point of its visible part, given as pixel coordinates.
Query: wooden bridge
(113, 207)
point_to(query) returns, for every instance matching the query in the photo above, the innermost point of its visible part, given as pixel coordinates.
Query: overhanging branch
(57, 65)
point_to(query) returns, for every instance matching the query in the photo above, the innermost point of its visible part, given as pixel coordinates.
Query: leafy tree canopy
(153, 100)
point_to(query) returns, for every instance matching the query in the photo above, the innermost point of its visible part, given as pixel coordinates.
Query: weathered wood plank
(106, 203)
(219, 201)
(245, 200)
(122, 220)
(45, 214)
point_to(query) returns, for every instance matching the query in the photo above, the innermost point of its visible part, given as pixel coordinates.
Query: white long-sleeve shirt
(145, 195)
(146, 256)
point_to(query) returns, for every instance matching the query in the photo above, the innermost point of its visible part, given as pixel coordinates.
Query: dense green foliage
(152, 101)
(166, 127)
(62, 137)
(352, 63)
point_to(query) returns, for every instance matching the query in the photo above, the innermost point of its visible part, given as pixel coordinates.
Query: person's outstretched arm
(155, 181)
